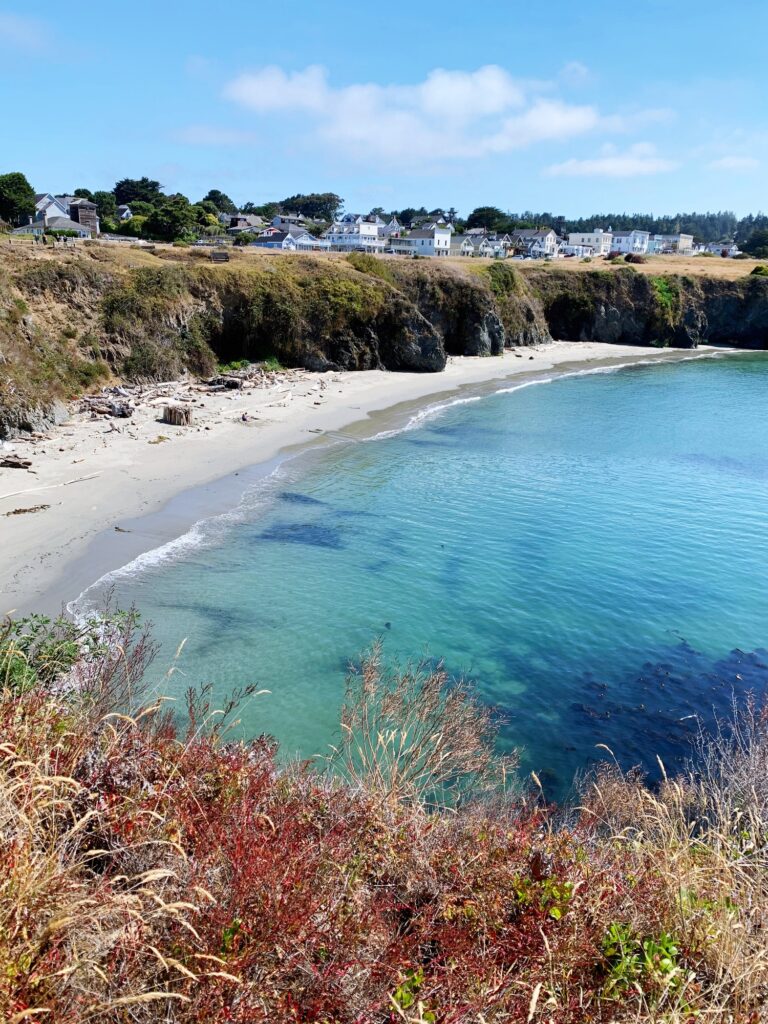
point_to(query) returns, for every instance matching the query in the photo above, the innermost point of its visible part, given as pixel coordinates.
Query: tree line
(705, 227)
(173, 217)
(156, 214)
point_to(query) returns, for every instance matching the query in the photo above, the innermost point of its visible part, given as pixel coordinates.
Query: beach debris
(177, 415)
(14, 462)
(119, 529)
(105, 405)
(24, 511)
(159, 439)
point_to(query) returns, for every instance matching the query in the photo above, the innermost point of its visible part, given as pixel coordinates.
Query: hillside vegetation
(72, 320)
(155, 872)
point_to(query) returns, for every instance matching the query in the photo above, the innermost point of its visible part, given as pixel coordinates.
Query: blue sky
(571, 106)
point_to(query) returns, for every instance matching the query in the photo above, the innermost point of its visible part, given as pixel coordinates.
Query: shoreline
(132, 493)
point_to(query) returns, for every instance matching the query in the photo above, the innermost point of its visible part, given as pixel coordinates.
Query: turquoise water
(591, 550)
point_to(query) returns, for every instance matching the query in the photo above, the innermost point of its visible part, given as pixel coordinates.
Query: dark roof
(65, 224)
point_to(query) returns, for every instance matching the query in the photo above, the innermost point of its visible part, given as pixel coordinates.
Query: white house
(355, 231)
(393, 229)
(630, 241)
(539, 244)
(723, 249)
(424, 242)
(678, 243)
(463, 245)
(576, 250)
(295, 239)
(597, 240)
(63, 213)
(47, 206)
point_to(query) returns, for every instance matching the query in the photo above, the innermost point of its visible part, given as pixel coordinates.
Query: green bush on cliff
(761, 270)
(147, 311)
(503, 279)
(369, 264)
(666, 291)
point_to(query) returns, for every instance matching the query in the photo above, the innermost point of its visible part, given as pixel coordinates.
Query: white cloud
(213, 135)
(545, 120)
(449, 114)
(464, 95)
(23, 33)
(639, 160)
(272, 89)
(735, 163)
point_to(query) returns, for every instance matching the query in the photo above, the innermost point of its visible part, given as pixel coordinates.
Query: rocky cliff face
(626, 307)
(71, 321)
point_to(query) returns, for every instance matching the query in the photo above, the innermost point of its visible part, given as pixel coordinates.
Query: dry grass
(413, 736)
(124, 257)
(151, 875)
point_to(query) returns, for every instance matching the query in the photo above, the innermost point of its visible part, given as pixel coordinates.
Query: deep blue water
(592, 551)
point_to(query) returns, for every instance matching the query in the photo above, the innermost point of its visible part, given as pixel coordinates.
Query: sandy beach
(86, 503)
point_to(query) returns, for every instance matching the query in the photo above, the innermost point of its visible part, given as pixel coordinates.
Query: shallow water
(592, 551)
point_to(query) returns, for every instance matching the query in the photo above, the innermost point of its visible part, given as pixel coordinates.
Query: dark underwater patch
(652, 712)
(311, 534)
(296, 498)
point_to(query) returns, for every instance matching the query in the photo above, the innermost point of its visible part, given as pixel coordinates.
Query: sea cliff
(70, 321)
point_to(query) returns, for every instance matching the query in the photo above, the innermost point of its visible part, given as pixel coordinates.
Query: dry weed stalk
(705, 833)
(151, 874)
(414, 735)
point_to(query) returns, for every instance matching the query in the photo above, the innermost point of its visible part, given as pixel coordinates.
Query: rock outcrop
(67, 324)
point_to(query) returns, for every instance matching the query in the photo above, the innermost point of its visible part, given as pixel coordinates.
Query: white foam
(421, 417)
(203, 532)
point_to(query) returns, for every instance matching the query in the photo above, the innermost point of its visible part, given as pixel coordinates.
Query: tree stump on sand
(178, 415)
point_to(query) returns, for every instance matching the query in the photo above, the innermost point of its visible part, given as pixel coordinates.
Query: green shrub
(236, 364)
(666, 291)
(38, 650)
(369, 264)
(650, 964)
(761, 270)
(503, 279)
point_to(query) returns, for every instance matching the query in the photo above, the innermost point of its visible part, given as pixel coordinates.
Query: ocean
(590, 549)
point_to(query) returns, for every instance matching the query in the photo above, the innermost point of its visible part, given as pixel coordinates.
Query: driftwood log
(14, 462)
(178, 415)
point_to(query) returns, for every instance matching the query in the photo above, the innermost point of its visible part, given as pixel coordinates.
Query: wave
(203, 533)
